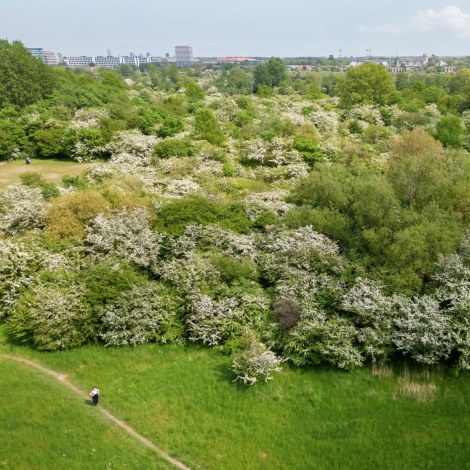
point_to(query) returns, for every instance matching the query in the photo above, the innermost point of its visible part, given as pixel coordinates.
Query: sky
(240, 28)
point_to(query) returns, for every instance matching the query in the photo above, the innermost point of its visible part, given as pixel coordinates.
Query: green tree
(365, 85)
(49, 141)
(458, 81)
(208, 128)
(111, 80)
(193, 91)
(239, 82)
(272, 73)
(449, 131)
(24, 79)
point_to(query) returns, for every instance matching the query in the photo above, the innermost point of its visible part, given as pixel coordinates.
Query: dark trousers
(94, 400)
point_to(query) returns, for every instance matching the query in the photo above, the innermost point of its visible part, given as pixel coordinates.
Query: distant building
(81, 61)
(130, 60)
(109, 61)
(449, 69)
(414, 62)
(184, 54)
(395, 69)
(234, 59)
(51, 58)
(37, 52)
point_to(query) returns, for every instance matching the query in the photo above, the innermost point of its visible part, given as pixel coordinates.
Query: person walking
(94, 396)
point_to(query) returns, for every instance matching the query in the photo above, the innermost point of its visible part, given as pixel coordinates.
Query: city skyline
(307, 28)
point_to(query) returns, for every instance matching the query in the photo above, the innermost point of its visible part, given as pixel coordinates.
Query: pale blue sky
(240, 27)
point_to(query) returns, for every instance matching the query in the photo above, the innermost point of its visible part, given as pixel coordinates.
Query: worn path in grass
(63, 379)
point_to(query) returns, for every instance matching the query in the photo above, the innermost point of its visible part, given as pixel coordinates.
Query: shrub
(36, 180)
(175, 148)
(148, 311)
(208, 127)
(68, 215)
(21, 208)
(310, 152)
(449, 131)
(255, 363)
(175, 217)
(233, 270)
(53, 318)
(105, 283)
(126, 235)
(171, 126)
(77, 182)
(286, 310)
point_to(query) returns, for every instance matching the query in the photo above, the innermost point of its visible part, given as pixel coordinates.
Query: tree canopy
(272, 73)
(365, 85)
(24, 79)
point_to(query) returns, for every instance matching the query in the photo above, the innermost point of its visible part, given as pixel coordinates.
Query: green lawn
(52, 169)
(183, 399)
(45, 426)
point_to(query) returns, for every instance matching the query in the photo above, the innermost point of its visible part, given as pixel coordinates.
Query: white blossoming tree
(147, 312)
(126, 235)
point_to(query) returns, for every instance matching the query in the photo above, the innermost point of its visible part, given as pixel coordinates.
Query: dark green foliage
(364, 85)
(24, 79)
(171, 126)
(310, 152)
(149, 118)
(78, 182)
(193, 91)
(354, 127)
(265, 220)
(12, 134)
(449, 131)
(49, 141)
(239, 82)
(105, 284)
(264, 91)
(233, 271)
(111, 80)
(175, 217)
(175, 148)
(110, 127)
(271, 73)
(208, 128)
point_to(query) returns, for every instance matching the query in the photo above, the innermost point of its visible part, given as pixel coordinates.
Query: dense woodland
(276, 215)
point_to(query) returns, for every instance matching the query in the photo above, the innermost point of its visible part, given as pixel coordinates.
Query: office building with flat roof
(82, 61)
(108, 61)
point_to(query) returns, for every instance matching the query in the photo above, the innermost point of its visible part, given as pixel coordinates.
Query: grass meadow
(182, 397)
(52, 170)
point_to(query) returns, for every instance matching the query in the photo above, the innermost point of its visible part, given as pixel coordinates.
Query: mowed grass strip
(51, 169)
(183, 399)
(44, 425)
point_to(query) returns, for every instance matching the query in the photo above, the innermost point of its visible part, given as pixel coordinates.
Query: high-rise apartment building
(184, 54)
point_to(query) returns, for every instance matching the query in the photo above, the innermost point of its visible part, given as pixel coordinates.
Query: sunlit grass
(183, 399)
(51, 169)
(45, 426)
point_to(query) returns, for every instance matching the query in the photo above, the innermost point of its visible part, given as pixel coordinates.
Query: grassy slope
(183, 399)
(52, 169)
(44, 426)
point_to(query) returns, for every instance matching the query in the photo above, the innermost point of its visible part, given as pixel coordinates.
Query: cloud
(450, 19)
